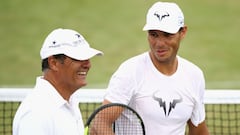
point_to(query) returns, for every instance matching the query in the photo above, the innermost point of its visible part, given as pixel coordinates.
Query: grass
(115, 27)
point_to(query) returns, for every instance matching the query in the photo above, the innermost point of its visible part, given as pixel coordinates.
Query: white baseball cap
(67, 42)
(164, 16)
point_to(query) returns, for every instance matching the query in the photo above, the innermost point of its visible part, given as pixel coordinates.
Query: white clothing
(165, 103)
(45, 112)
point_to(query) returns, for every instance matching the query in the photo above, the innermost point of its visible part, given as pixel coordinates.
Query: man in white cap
(164, 88)
(51, 109)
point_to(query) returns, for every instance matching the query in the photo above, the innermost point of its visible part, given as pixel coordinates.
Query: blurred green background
(115, 27)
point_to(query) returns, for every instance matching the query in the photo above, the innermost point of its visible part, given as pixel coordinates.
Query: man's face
(164, 46)
(73, 73)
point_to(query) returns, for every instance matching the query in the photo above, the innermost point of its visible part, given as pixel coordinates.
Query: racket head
(114, 118)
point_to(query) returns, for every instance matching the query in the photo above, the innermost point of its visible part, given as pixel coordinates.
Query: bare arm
(103, 126)
(201, 129)
(106, 102)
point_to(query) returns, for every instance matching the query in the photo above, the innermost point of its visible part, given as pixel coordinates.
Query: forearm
(201, 129)
(102, 130)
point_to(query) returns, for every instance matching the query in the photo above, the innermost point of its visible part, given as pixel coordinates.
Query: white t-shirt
(165, 103)
(45, 112)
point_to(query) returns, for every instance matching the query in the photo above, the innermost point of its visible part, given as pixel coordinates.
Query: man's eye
(167, 34)
(153, 34)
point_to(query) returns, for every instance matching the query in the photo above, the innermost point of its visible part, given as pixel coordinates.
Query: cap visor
(84, 54)
(168, 30)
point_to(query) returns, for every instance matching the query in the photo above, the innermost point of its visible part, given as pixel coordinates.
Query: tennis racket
(114, 119)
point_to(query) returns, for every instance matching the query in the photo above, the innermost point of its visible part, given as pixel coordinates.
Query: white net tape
(212, 96)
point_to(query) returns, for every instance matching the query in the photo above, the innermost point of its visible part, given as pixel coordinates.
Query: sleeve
(32, 124)
(198, 115)
(122, 84)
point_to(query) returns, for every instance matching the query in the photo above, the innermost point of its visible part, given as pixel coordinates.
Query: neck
(57, 85)
(168, 67)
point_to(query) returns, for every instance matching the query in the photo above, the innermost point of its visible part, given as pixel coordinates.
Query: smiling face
(73, 73)
(164, 46)
(67, 74)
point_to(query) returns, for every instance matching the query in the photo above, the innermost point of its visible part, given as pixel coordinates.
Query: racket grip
(86, 131)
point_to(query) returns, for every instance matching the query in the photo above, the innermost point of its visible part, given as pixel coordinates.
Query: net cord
(212, 96)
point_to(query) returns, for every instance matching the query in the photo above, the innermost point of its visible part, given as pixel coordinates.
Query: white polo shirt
(165, 103)
(45, 112)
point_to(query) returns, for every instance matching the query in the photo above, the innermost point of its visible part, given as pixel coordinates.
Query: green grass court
(115, 27)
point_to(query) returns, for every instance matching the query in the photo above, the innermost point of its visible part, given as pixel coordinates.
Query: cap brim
(84, 54)
(170, 30)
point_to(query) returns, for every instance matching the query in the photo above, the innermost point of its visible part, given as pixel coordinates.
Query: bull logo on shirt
(163, 103)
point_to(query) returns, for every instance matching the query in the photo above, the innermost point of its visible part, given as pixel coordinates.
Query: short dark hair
(180, 29)
(45, 64)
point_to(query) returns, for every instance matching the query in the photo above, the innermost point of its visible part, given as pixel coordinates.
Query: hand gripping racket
(114, 119)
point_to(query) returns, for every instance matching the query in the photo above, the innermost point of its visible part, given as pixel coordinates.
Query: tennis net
(222, 108)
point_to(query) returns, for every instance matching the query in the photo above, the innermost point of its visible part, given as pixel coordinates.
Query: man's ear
(53, 63)
(183, 31)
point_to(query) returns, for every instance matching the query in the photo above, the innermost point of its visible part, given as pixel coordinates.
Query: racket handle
(86, 131)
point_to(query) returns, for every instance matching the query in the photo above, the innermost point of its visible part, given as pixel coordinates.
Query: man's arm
(201, 129)
(104, 120)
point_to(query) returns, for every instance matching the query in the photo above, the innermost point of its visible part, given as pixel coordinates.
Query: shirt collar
(46, 88)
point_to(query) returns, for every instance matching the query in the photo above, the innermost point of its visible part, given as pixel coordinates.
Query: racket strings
(101, 124)
(128, 123)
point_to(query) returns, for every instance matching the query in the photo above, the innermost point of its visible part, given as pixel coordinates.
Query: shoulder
(192, 73)
(132, 68)
(33, 104)
(31, 111)
(134, 62)
(41, 101)
(189, 66)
